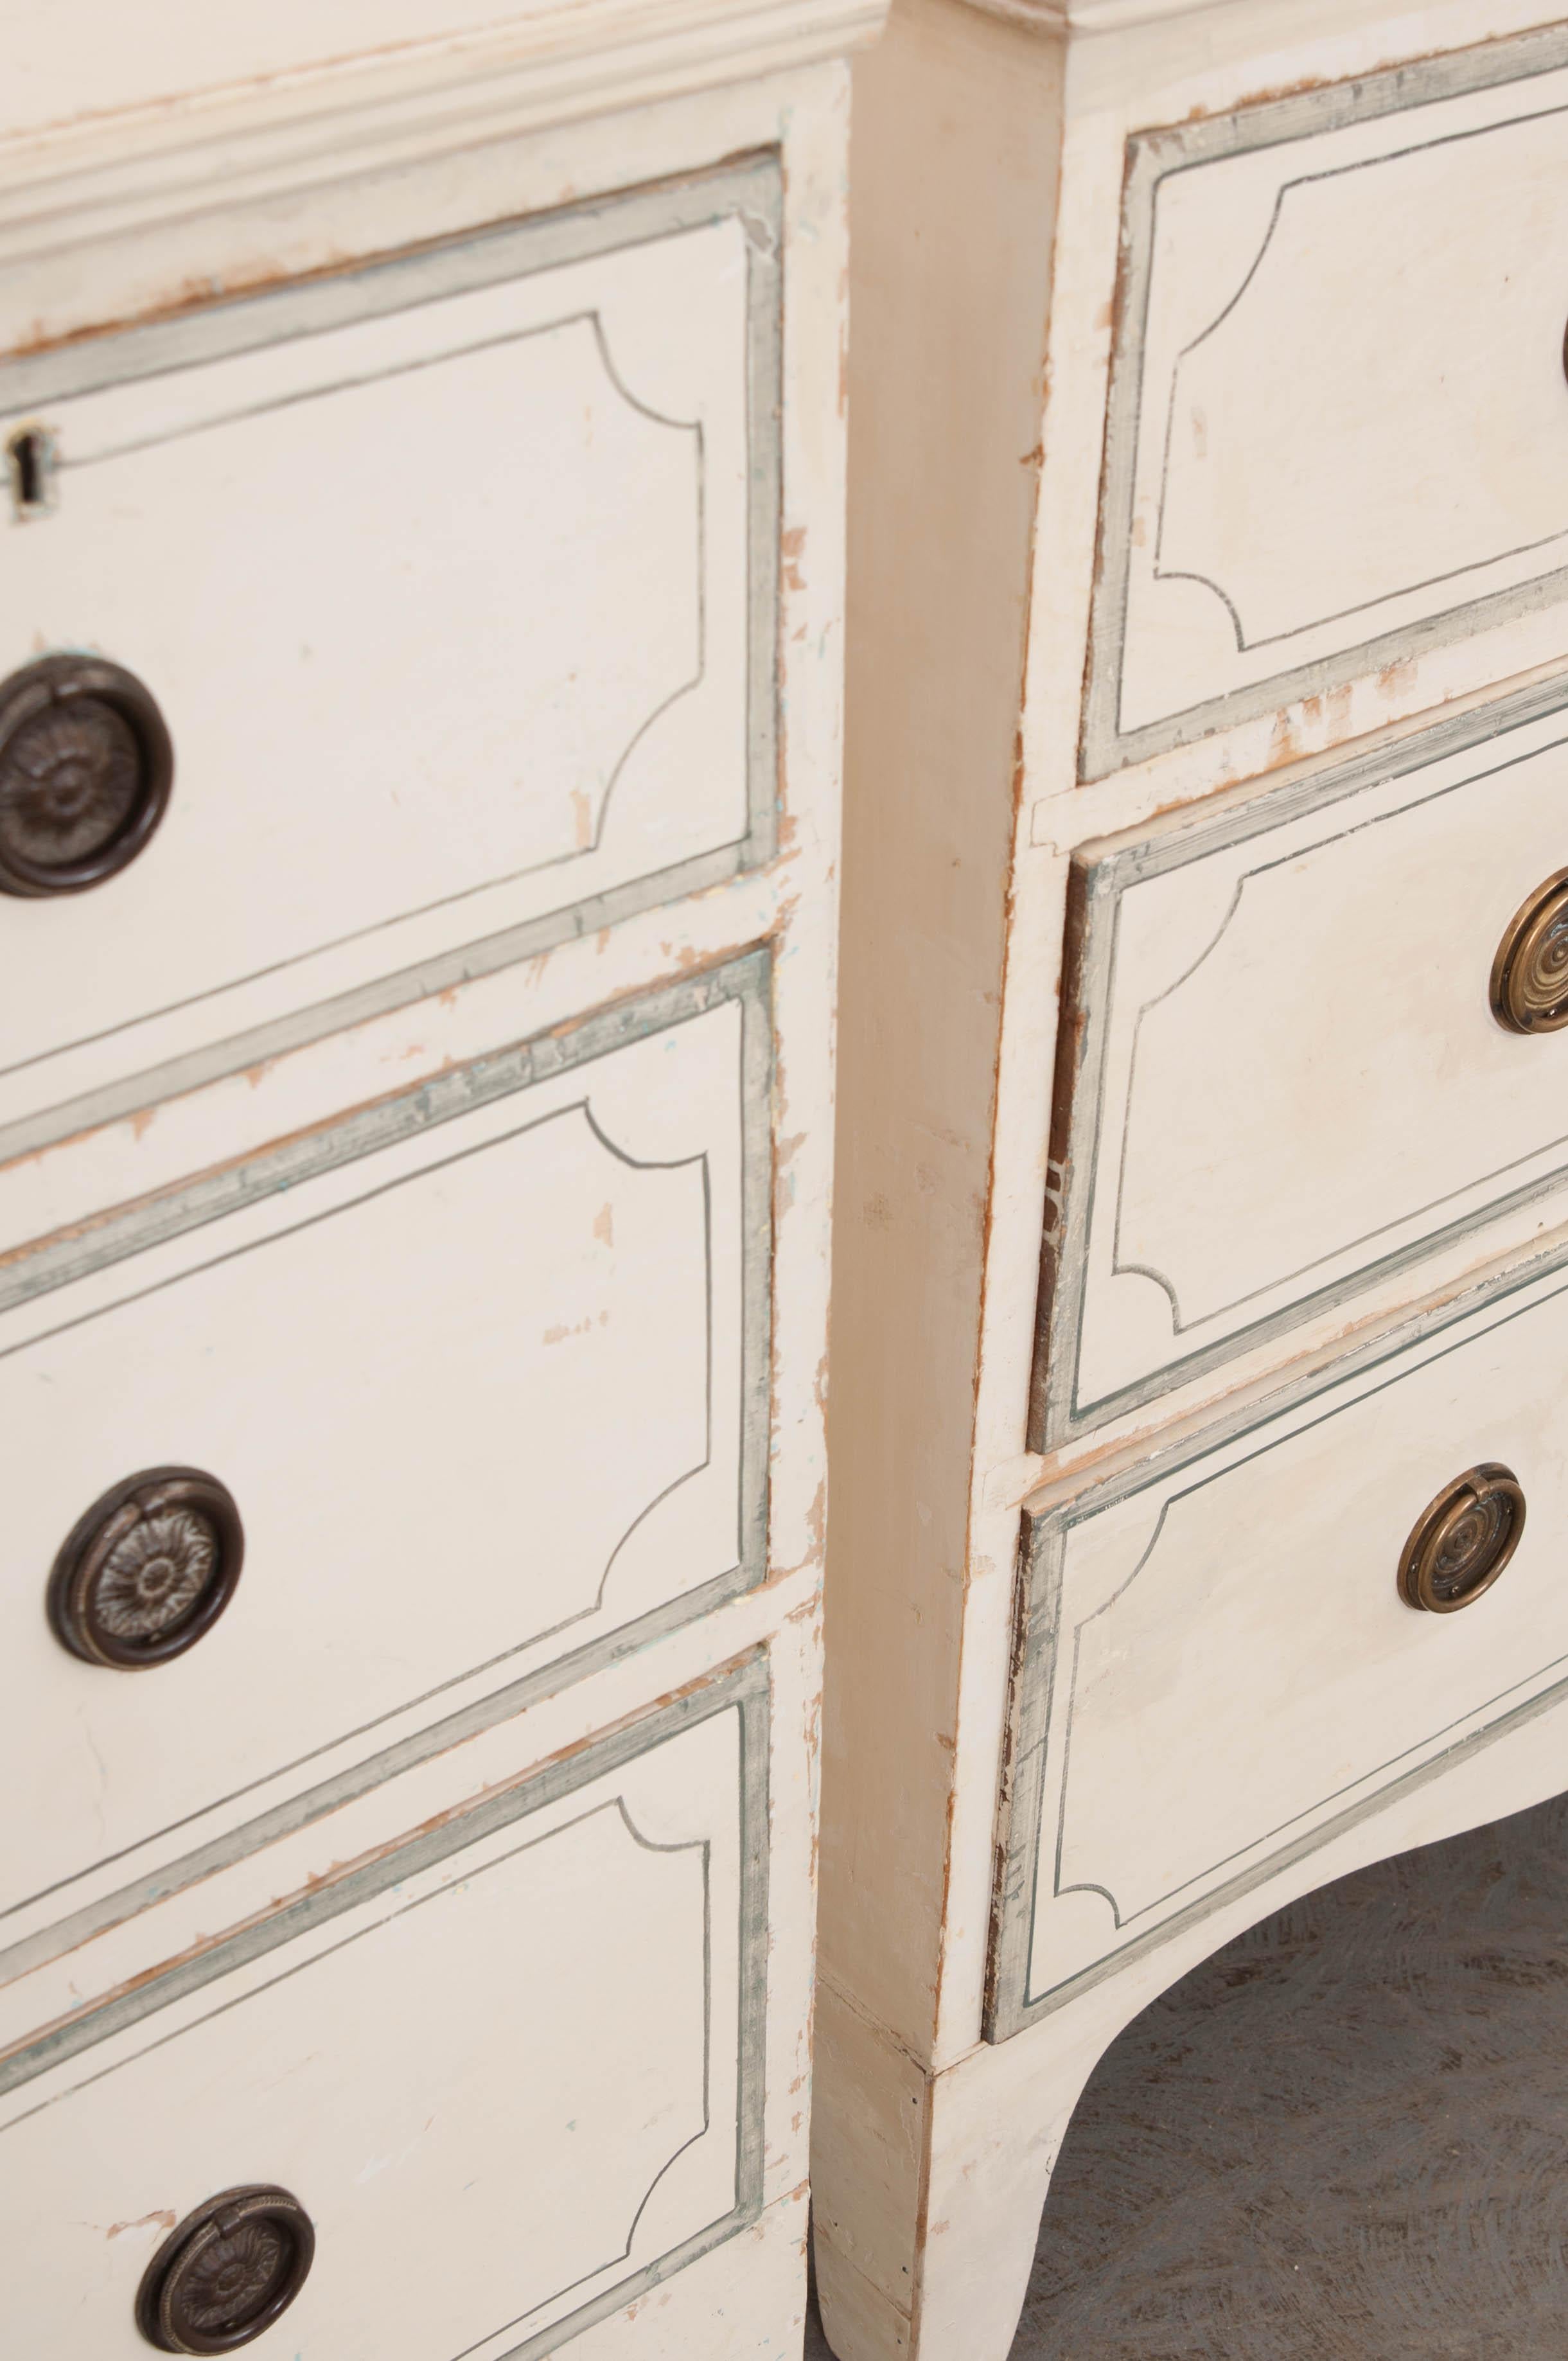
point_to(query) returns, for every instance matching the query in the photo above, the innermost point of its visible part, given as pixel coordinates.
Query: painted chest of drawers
(422, 638)
(1201, 1245)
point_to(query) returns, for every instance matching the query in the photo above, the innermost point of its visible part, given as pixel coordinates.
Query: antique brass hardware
(31, 459)
(1462, 1540)
(1530, 974)
(147, 1570)
(227, 2272)
(86, 767)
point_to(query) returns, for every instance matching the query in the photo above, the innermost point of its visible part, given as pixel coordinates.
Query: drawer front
(1220, 1669)
(1286, 1083)
(485, 1374)
(1338, 431)
(454, 581)
(511, 2068)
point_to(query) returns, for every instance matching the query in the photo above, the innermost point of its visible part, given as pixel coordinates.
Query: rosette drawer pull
(227, 2272)
(86, 767)
(147, 1570)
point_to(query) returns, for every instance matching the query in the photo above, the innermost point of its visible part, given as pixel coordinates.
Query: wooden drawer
(1338, 428)
(485, 1370)
(508, 2064)
(1220, 1670)
(453, 579)
(1287, 1084)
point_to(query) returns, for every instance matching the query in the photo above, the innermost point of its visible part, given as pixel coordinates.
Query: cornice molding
(67, 184)
(1080, 17)
(1117, 15)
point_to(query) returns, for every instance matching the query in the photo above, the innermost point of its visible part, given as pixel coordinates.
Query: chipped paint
(163, 2220)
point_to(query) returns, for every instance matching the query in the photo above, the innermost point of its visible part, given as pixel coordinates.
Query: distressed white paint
(445, 1467)
(471, 2063)
(440, 1347)
(1286, 1019)
(991, 188)
(1228, 1644)
(446, 612)
(975, 2146)
(180, 69)
(1205, 63)
(1351, 414)
(71, 62)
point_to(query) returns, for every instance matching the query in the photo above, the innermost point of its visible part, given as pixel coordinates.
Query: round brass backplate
(1530, 974)
(1462, 1540)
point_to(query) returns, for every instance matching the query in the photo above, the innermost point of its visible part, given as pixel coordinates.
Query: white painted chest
(1200, 1438)
(421, 641)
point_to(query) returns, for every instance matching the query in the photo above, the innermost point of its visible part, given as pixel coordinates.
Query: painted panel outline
(1011, 2005)
(1178, 574)
(1057, 1414)
(746, 981)
(65, 465)
(1151, 157)
(748, 190)
(745, 1690)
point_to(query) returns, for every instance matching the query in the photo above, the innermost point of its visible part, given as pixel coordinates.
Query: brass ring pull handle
(1530, 974)
(86, 767)
(1462, 1540)
(228, 2272)
(148, 1569)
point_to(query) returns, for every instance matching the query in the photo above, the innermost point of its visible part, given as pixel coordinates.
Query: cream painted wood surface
(1260, 910)
(73, 64)
(181, 76)
(977, 2144)
(487, 1246)
(460, 615)
(760, 1656)
(1220, 71)
(557, 1444)
(453, 2041)
(1225, 1640)
(1285, 1080)
(937, 615)
(1339, 418)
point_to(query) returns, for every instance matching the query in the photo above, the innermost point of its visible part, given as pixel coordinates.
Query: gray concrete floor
(1344, 2138)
